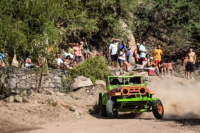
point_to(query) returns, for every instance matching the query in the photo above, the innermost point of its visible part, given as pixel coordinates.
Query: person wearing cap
(113, 52)
(136, 54)
(157, 54)
(151, 63)
(142, 51)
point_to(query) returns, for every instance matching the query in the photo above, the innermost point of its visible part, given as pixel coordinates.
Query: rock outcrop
(80, 82)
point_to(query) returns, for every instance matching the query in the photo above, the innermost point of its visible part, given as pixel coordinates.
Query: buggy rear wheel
(158, 110)
(109, 109)
(102, 107)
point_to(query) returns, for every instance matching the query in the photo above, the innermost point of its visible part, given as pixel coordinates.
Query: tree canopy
(32, 26)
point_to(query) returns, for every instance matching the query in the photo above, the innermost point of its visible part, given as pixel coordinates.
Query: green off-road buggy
(129, 94)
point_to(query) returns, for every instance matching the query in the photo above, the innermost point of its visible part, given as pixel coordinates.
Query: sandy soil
(50, 112)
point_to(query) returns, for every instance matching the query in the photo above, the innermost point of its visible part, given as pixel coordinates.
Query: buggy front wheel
(158, 109)
(109, 109)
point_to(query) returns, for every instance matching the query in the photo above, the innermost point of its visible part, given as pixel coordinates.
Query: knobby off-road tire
(102, 107)
(158, 110)
(109, 109)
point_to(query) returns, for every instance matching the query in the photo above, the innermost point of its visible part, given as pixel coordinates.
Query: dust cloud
(180, 97)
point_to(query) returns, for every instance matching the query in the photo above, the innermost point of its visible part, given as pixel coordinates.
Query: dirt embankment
(52, 112)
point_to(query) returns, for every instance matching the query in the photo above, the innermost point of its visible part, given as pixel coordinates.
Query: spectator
(67, 62)
(28, 62)
(142, 50)
(77, 52)
(74, 63)
(113, 51)
(162, 67)
(148, 57)
(122, 59)
(85, 48)
(190, 64)
(157, 54)
(59, 61)
(128, 51)
(150, 63)
(2, 57)
(136, 54)
(169, 67)
(65, 54)
(185, 65)
(123, 45)
(147, 60)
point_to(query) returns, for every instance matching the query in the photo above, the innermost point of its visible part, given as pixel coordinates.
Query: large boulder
(129, 36)
(100, 82)
(80, 82)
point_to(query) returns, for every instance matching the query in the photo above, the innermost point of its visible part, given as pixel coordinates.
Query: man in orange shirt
(157, 55)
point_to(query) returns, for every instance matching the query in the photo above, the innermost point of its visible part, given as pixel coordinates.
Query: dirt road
(181, 113)
(179, 97)
(124, 124)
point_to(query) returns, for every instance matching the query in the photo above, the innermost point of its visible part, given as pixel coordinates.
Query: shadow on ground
(183, 122)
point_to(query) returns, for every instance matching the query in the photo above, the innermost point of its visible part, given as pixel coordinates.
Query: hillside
(31, 26)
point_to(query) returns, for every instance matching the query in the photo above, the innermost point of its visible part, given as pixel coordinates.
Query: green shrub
(94, 68)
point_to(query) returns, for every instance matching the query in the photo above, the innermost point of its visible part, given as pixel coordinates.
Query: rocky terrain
(77, 111)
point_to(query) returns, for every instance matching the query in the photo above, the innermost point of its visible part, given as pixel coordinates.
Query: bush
(94, 68)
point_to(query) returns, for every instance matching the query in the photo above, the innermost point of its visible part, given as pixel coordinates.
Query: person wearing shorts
(185, 65)
(190, 67)
(190, 64)
(113, 52)
(77, 53)
(142, 50)
(157, 54)
(122, 60)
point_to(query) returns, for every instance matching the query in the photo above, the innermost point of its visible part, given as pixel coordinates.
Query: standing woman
(85, 48)
(77, 52)
(122, 59)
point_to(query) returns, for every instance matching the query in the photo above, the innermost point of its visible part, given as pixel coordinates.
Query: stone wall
(29, 78)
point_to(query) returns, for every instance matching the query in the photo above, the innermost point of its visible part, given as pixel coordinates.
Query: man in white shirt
(59, 61)
(113, 51)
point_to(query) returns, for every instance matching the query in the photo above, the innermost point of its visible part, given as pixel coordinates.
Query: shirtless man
(190, 64)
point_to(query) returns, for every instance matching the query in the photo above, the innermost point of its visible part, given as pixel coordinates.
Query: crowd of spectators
(153, 59)
(67, 58)
(76, 52)
(147, 60)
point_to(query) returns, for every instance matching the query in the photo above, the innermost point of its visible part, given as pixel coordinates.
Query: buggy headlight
(125, 91)
(142, 90)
